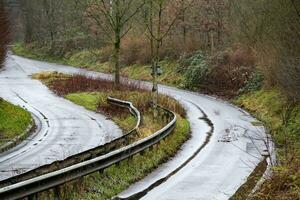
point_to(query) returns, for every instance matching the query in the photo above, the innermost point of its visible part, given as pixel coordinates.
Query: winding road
(63, 128)
(225, 145)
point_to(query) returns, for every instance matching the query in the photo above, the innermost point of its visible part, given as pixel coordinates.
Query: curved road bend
(64, 128)
(224, 149)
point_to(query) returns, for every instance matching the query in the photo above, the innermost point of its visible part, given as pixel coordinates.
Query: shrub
(135, 50)
(197, 70)
(242, 57)
(231, 77)
(192, 59)
(254, 82)
(63, 84)
(231, 71)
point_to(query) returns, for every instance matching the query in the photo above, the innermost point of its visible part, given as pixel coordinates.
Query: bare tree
(158, 27)
(113, 16)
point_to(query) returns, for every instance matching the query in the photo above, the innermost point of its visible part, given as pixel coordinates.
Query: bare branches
(115, 14)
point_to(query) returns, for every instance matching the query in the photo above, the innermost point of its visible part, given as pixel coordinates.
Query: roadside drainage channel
(245, 190)
(158, 182)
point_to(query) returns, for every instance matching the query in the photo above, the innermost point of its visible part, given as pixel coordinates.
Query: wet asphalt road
(63, 128)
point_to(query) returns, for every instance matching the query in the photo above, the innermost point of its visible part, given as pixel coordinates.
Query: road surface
(224, 149)
(63, 128)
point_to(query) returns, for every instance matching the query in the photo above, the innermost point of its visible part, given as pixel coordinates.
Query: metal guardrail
(132, 109)
(88, 154)
(50, 180)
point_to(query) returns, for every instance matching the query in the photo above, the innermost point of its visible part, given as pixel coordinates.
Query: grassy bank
(93, 60)
(13, 121)
(97, 101)
(227, 73)
(92, 94)
(283, 120)
(31, 51)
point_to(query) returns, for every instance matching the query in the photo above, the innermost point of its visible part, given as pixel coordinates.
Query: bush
(254, 83)
(197, 70)
(135, 50)
(231, 71)
(242, 57)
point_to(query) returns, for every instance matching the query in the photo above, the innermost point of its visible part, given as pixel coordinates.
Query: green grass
(37, 53)
(283, 120)
(170, 75)
(275, 111)
(13, 121)
(90, 100)
(87, 100)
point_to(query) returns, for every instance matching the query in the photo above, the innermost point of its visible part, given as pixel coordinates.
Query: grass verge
(13, 121)
(283, 120)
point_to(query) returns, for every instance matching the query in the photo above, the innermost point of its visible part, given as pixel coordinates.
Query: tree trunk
(212, 42)
(117, 57)
(4, 33)
(184, 31)
(151, 30)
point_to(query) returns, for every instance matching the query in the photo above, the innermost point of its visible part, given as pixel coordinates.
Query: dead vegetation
(63, 84)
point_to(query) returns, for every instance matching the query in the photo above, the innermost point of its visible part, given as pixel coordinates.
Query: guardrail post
(32, 197)
(143, 153)
(101, 171)
(56, 191)
(150, 148)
